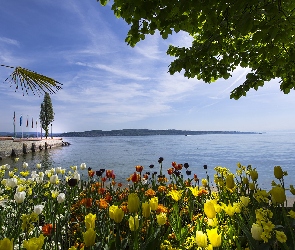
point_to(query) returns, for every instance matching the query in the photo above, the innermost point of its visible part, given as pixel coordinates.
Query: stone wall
(10, 147)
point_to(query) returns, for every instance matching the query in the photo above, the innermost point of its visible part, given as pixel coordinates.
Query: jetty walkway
(14, 147)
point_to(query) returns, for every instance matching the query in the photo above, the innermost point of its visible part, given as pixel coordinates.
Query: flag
(32, 123)
(20, 120)
(14, 118)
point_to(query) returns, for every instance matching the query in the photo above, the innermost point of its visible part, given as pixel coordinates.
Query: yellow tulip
(201, 239)
(34, 243)
(256, 231)
(245, 181)
(194, 190)
(209, 209)
(278, 195)
(146, 209)
(90, 220)
(252, 186)
(154, 203)
(161, 218)
(278, 172)
(112, 211)
(89, 237)
(214, 237)
(133, 223)
(175, 194)
(254, 175)
(133, 203)
(212, 222)
(6, 244)
(245, 200)
(204, 182)
(292, 189)
(291, 214)
(230, 183)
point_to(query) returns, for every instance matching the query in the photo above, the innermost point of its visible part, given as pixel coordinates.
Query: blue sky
(108, 85)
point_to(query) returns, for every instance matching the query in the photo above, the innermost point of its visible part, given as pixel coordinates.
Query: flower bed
(56, 209)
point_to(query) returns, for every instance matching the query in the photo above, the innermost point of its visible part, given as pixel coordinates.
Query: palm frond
(28, 80)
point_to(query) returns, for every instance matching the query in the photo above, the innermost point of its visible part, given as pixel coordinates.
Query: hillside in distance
(145, 132)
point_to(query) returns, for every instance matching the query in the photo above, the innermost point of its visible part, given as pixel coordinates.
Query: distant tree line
(145, 132)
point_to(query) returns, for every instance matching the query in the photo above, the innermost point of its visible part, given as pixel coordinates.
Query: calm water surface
(122, 154)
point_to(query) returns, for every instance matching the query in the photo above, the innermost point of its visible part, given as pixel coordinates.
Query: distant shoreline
(146, 132)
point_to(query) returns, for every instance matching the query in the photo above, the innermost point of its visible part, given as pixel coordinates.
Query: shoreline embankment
(10, 147)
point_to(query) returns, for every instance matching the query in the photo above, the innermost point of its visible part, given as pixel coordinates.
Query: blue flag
(20, 120)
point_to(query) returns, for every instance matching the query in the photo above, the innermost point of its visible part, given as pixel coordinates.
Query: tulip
(90, 220)
(83, 166)
(61, 198)
(230, 183)
(175, 194)
(154, 203)
(201, 239)
(38, 165)
(245, 181)
(20, 196)
(133, 202)
(254, 175)
(25, 165)
(54, 179)
(12, 182)
(204, 182)
(214, 237)
(161, 218)
(252, 186)
(76, 176)
(245, 200)
(278, 172)
(38, 209)
(209, 209)
(278, 195)
(133, 223)
(6, 244)
(89, 237)
(256, 231)
(34, 243)
(146, 209)
(54, 194)
(116, 213)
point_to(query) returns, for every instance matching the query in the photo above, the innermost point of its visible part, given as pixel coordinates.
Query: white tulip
(38, 209)
(12, 182)
(61, 198)
(58, 170)
(83, 166)
(20, 196)
(38, 165)
(76, 176)
(25, 165)
(54, 179)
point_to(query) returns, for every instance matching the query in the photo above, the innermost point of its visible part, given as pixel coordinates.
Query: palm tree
(29, 80)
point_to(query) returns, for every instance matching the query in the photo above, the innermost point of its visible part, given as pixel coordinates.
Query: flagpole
(14, 123)
(37, 128)
(22, 126)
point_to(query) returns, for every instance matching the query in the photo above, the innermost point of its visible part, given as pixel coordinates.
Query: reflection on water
(44, 157)
(123, 153)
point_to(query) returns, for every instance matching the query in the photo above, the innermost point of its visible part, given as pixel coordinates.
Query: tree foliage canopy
(46, 113)
(29, 80)
(258, 34)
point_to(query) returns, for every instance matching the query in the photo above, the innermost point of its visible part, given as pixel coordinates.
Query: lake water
(122, 154)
